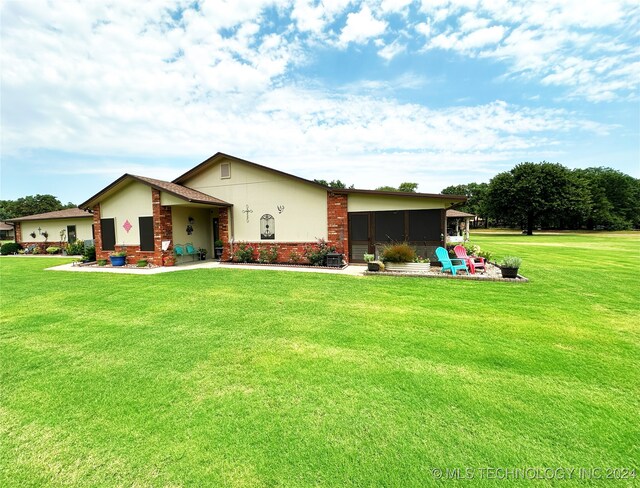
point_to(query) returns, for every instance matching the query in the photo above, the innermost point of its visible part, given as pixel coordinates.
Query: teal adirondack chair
(448, 263)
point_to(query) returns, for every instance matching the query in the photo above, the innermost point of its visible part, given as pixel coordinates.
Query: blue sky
(371, 92)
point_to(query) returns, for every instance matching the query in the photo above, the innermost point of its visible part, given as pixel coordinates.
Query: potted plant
(509, 266)
(218, 248)
(118, 258)
(372, 264)
(202, 252)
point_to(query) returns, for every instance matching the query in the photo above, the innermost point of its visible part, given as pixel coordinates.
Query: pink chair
(473, 262)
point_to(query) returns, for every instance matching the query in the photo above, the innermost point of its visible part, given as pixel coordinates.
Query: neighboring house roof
(5, 226)
(220, 156)
(458, 213)
(183, 192)
(67, 213)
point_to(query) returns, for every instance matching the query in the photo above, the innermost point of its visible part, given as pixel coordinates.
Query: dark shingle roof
(67, 213)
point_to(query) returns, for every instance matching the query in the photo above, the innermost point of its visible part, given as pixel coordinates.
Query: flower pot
(218, 252)
(509, 272)
(118, 260)
(373, 266)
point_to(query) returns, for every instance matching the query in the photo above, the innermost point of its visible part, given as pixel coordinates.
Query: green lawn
(260, 378)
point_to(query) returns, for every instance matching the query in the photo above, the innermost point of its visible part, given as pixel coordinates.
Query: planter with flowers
(118, 258)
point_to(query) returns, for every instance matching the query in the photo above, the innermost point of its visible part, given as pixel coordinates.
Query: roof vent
(225, 170)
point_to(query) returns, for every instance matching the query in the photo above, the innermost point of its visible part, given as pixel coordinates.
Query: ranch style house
(232, 200)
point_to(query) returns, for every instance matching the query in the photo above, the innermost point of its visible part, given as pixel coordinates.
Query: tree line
(30, 205)
(552, 196)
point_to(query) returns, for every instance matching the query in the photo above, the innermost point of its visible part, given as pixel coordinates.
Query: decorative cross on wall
(247, 211)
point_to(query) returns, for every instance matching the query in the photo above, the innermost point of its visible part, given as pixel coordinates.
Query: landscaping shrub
(89, 253)
(10, 248)
(487, 255)
(36, 250)
(268, 255)
(295, 257)
(317, 254)
(142, 263)
(76, 248)
(399, 253)
(102, 262)
(53, 250)
(244, 253)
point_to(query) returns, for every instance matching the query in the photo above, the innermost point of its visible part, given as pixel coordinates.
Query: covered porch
(370, 232)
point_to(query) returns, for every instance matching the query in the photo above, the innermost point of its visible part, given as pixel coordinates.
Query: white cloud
(130, 81)
(543, 40)
(390, 51)
(361, 26)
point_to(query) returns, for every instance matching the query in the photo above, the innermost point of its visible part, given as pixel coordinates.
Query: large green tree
(30, 205)
(406, 187)
(615, 198)
(533, 194)
(476, 194)
(334, 184)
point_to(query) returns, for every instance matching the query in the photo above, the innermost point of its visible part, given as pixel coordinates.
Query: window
(71, 234)
(108, 230)
(225, 170)
(146, 233)
(267, 227)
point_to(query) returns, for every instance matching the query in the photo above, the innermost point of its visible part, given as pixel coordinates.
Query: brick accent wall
(338, 222)
(18, 232)
(97, 234)
(162, 229)
(223, 231)
(284, 249)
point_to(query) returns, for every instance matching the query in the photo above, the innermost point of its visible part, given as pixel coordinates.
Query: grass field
(262, 378)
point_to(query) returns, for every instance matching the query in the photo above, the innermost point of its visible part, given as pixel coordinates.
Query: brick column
(162, 228)
(17, 232)
(223, 230)
(97, 231)
(338, 222)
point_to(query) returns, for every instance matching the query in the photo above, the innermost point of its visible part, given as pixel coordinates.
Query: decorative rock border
(492, 273)
(519, 279)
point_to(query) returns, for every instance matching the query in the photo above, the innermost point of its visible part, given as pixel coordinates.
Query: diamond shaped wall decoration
(127, 226)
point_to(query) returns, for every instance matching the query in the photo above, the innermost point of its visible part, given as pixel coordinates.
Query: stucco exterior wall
(202, 235)
(131, 202)
(53, 228)
(303, 218)
(371, 203)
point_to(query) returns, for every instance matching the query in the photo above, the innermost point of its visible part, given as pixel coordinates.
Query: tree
(334, 184)
(533, 194)
(476, 194)
(406, 187)
(615, 198)
(30, 205)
